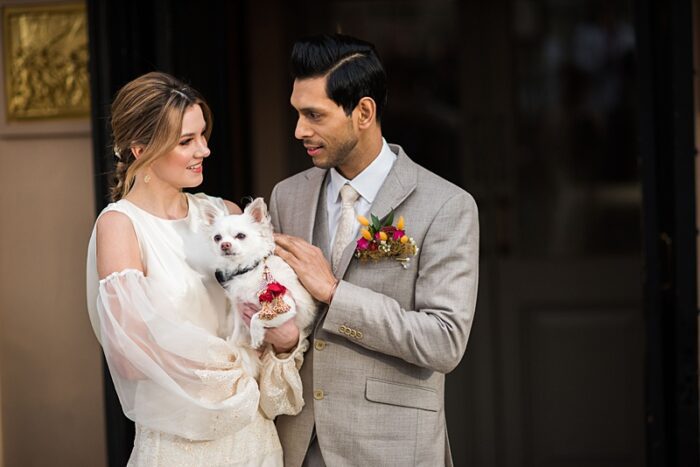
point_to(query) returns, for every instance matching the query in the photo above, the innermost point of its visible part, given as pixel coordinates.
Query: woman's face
(183, 166)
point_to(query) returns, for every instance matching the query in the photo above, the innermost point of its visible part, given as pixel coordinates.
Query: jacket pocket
(402, 395)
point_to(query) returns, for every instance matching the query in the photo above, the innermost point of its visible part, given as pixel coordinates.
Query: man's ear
(136, 151)
(366, 110)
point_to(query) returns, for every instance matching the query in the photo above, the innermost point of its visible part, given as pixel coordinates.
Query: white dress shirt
(367, 183)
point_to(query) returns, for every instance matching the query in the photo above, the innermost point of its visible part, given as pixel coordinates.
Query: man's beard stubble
(339, 156)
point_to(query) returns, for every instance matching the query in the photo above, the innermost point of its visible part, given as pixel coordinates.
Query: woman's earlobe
(136, 151)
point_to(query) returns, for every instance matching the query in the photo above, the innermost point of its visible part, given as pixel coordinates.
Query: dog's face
(243, 239)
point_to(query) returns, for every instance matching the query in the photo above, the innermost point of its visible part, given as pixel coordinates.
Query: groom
(374, 377)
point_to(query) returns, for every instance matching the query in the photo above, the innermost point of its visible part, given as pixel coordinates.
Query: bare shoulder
(117, 247)
(232, 207)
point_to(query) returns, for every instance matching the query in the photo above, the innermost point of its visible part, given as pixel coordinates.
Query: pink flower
(398, 234)
(362, 244)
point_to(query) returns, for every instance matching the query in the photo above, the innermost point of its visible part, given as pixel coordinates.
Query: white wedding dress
(164, 332)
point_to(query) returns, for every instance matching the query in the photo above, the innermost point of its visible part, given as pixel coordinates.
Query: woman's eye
(185, 142)
(240, 236)
(217, 238)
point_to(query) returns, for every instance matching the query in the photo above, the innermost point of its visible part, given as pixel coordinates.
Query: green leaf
(376, 223)
(388, 219)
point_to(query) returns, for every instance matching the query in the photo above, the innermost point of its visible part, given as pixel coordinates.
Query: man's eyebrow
(311, 109)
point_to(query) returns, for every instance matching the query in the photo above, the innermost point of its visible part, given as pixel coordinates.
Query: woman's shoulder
(116, 213)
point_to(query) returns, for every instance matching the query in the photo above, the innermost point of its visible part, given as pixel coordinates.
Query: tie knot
(348, 194)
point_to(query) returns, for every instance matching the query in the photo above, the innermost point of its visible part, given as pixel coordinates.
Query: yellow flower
(399, 224)
(363, 220)
(366, 234)
(382, 236)
(404, 239)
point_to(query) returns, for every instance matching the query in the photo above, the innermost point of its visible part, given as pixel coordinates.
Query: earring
(147, 178)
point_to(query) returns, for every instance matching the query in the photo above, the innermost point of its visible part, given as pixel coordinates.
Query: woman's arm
(117, 247)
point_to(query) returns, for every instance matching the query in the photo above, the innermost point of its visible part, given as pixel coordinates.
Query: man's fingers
(284, 254)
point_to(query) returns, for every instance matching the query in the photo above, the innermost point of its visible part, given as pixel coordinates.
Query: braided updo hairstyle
(147, 113)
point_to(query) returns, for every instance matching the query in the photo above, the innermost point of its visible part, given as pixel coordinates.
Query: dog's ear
(210, 213)
(257, 209)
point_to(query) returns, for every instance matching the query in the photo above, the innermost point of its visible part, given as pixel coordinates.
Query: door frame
(667, 158)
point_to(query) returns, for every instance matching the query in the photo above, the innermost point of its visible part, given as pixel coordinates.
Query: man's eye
(240, 236)
(217, 238)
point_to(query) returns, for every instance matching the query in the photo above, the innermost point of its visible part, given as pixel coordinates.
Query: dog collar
(223, 276)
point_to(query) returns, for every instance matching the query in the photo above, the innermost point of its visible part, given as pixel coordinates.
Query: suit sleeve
(435, 334)
(274, 213)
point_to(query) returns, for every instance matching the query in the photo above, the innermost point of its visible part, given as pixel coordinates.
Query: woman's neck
(159, 199)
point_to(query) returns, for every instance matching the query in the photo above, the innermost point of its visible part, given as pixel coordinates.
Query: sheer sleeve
(280, 383)
(170, 375)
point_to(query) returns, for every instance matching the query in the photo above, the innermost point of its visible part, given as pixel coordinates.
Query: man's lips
(313, 150)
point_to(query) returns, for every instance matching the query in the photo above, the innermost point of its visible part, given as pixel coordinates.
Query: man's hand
(309, 264)
(282, 338)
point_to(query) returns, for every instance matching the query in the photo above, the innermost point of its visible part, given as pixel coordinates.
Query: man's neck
(364, 155)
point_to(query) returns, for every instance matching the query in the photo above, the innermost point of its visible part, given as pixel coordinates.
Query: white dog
(251, 274)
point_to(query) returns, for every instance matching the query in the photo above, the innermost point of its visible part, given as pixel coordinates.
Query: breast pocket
(402, 395)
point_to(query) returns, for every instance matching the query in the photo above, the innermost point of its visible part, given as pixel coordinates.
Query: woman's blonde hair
(147, 113)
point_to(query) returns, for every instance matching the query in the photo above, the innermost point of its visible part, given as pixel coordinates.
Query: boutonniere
(380, 239)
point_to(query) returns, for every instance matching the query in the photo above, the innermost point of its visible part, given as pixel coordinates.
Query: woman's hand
(282, 338)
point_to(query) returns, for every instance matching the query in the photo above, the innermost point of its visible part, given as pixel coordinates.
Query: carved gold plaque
(46, 62)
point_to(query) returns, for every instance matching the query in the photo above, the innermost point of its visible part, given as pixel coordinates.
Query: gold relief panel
(46, 62)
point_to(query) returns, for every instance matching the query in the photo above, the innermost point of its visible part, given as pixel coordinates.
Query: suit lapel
(399, 184)
(307, 199)
(320, 229)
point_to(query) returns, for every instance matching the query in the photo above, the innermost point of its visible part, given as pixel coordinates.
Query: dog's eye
(217, 238)
(240, 236)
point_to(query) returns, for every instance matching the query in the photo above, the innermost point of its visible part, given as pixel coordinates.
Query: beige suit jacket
(374, 376)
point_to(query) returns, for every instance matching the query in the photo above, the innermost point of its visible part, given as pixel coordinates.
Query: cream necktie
(346, 224)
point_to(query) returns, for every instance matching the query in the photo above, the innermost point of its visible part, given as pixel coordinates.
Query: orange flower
(404, 239)
(363, 220)
(366, 234)
(399, 224)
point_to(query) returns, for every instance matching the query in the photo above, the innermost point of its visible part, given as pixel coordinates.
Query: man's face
(328, 134)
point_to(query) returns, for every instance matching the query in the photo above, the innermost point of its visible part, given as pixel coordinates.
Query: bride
(156, 307)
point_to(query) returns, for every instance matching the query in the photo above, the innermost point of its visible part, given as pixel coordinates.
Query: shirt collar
(368, 182)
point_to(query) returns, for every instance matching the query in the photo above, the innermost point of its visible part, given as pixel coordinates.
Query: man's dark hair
(352, 65)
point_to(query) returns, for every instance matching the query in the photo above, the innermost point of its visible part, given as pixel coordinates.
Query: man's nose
(302, 130)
